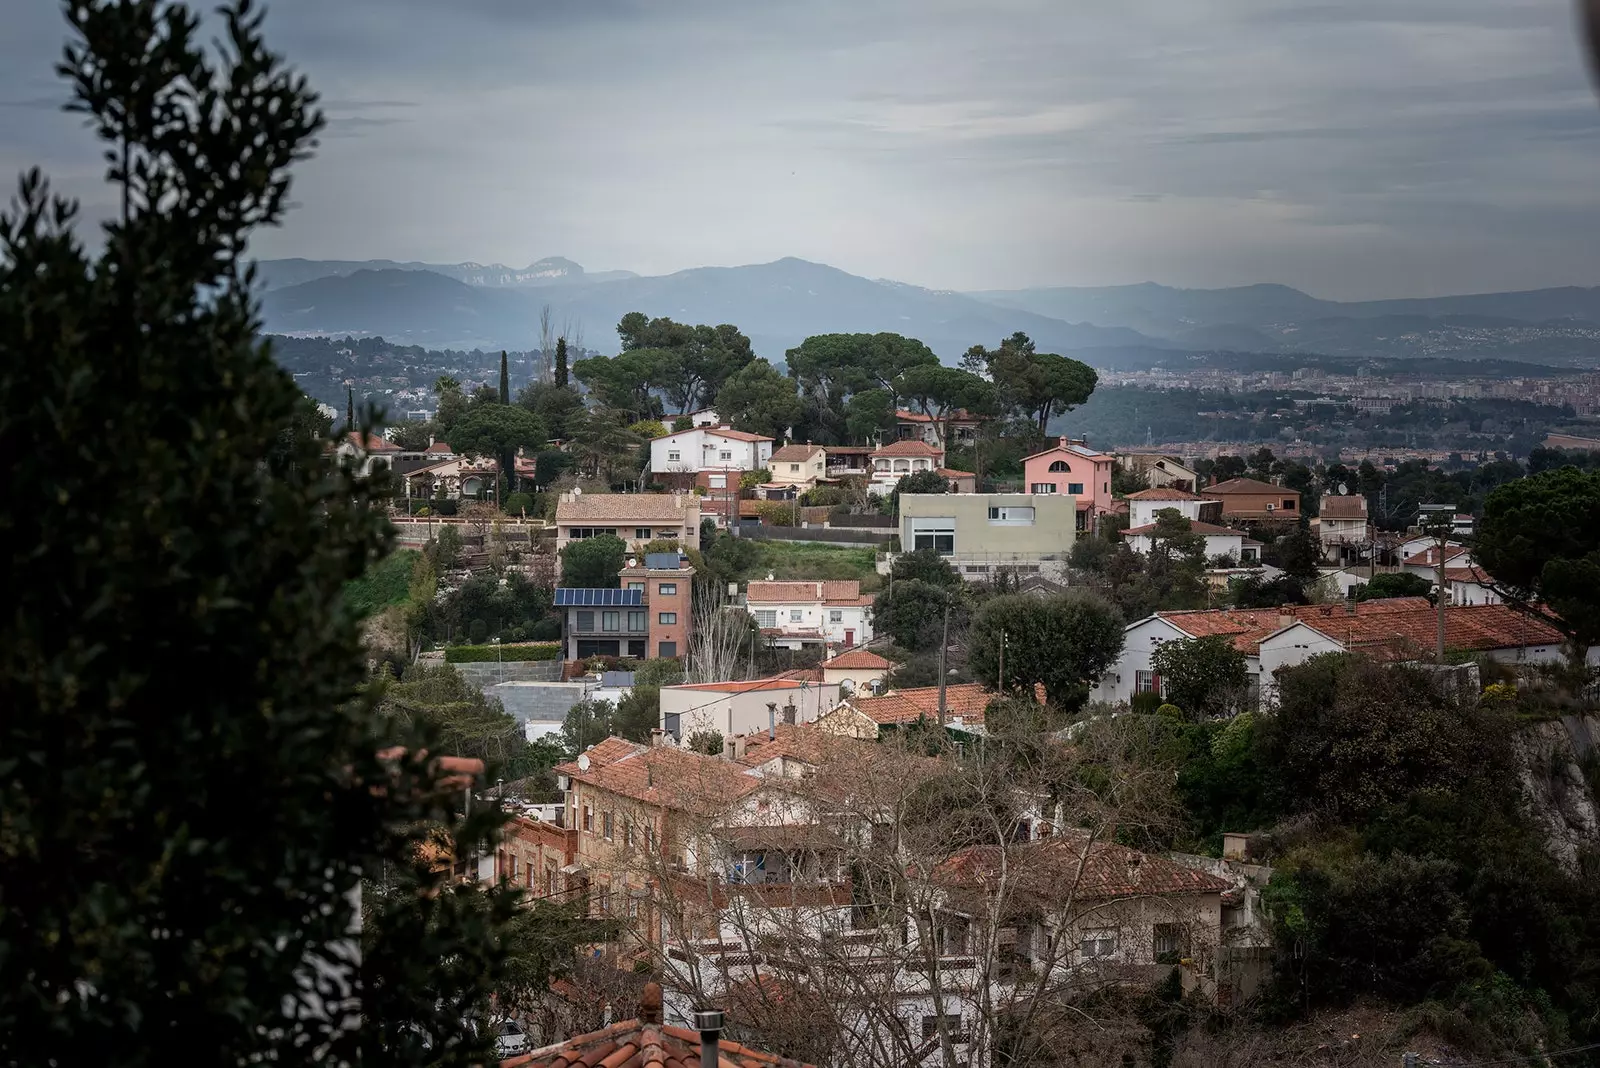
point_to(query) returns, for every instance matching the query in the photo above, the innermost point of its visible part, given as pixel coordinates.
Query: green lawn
(805, 560)
(386, 583)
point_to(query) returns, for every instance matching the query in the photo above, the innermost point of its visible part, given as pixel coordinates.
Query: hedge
(478, 654)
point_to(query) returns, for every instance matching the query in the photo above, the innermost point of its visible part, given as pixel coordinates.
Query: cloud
(1358, 148)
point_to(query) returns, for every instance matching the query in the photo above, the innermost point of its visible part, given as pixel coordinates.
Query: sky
(1357, 149)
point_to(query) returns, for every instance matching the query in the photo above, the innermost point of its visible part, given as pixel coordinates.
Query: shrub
(1146, 704)
(479, 654)
(518, 504)
(477, 631)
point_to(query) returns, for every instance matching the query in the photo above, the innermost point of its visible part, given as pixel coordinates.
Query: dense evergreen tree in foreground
(190, 785)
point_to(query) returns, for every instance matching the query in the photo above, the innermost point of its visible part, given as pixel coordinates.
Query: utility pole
(944, 650)
(1001, 674)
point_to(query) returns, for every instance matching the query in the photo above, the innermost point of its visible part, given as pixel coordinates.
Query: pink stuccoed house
(1071, 467)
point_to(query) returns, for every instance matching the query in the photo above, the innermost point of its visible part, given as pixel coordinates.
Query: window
(605, 825)
(1082, 521)
(673, 455)
(666, 619)
(936, 534)
(1010, 513)
(1168, 945)
(1060, 465)
(835, 615)
(636, 621)
(718, 481)
(1098, 942)
(1288, 504)
(1042, 487)
(586, 621)
(610, 620)
(767, 617)
(580, 533)
(930, 1026)
(513, 867)
(667, 649)
(588, 819)
(667, 589)
(794, 467)
(641, 533)
(1146, 682)
(796, 615)
(529, 874)
(725, 456)
(1075, 488)
(627, 833)
(636, 586)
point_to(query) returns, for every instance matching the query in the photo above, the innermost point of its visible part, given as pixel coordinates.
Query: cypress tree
(561, 362)
(349, 409)
(505, 380)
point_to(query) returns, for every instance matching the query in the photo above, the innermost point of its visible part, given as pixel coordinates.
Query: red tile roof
(1468, 574)
(803, 742)
(645, 1042)
(828, 591)
(1195, 526)
(1476, 628)
(909, 448)
(795, 453)
(1247, 626)
(744, 686)
(1429, 557)
(857, 660)
(1071, 866)
(371, 443)
(1352, 507)
(1164, 493)
(1248, 485)
(735, 435)
(950, 472)
(968, 700)
(664, 776)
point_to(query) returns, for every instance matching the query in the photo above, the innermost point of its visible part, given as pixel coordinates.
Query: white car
(513, 1040)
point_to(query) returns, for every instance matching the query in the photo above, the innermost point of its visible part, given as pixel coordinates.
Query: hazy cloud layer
(1363, 148)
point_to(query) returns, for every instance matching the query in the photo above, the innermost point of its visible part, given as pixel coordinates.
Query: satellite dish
(1343, 489)
(583, 761)
(577, 491)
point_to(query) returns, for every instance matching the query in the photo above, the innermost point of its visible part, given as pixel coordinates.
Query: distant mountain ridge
(778, 304)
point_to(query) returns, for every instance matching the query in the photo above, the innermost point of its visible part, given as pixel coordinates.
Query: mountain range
(778, 304)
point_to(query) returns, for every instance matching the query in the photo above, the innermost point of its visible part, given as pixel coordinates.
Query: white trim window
(1011, 515)
(1098, 942)
(936, 534)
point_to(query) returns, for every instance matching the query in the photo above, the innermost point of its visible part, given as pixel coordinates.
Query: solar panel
(587, 598)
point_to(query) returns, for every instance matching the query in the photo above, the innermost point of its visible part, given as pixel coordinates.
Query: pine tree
(505, 380)
(349, 409)
(192, 778)
(561, 362)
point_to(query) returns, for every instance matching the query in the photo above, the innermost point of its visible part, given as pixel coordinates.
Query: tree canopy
(831, 368)
(759, 400)
(689, 364)
(1035, 384)
(1204, 676)
(593, 563)
(1065, 642)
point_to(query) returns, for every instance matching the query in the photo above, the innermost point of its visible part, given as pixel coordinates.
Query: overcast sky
(1363, 148)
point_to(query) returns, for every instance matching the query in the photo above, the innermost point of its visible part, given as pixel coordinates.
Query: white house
(732, 708)
(797, 467)
(1344, 529)
(370, 453)
(895, 461)
(704, 449)
(793, 615)
(1471, 585)
(1220, 541)
(1425, 563)
(1143, 506)
(859, 670)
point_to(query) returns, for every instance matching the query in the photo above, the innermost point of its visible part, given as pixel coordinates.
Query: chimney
(727, 749)
(739, 742)
(650, 1004)
(772, 721)
(1286, 615)
(658, 737)
(1064, 442)
(789, 713)
(709, 1023)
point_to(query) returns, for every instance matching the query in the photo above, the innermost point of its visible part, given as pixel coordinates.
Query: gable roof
(792, 454)
(1249, 485)
(624, 507)
(734, 435)
(1247, 626)
(371, 443)
(828, 591)
(664, 776)
(645, 1042)
(1071, 448)
(968, 700)
(1164, 493)
(776, 682)
(1429, 557)
(1071, 865)
(857, 660)
(1477, 628)
(1351, 507)
(909, 447)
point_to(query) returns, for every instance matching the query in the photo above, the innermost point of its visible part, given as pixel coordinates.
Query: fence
(816, 535)
(879, 522)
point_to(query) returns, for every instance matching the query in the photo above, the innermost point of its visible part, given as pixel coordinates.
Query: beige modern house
(636, 518)
(982, 533)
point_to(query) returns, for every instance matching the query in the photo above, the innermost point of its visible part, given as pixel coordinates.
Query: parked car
(513, 1040)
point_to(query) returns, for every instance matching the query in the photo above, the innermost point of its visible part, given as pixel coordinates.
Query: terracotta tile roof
(829, 591)
(857, 660)
(1468, 574)
(371, 443)
(1476, 628)
(1164, 493)
(909, 448)
(744, 686)
(1429, 557)
(803, 742)
(960, 415)
(624, 508)
(1069, 865)
(440, 448)
(1195, 526)
(645, 1042)
(794, 454)
(1248, 485)
(735, 435)
(1247, 626)
(950, 472)
(967, 700)
(664, 776)
(1351, 507)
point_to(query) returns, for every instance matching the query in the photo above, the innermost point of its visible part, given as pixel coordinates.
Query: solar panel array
(586, 598)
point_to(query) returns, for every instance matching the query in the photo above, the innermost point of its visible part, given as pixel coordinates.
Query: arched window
(1060, 465)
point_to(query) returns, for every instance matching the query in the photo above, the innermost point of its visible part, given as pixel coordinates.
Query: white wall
(817, 616)
(1143, 513)
(740, 713)
(699, 449)
(1291, 646)
(1216, 544)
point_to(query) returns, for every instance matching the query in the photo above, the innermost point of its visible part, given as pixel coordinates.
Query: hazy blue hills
(778, 304)
(552, 270)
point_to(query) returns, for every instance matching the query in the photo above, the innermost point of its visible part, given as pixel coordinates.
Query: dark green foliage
(638, 713)
(659, 672)
(922, 482)
(1033, 384)
(179, 847)
(689, 364)
(912, 612)
(1256, 592)
(477, 630)
(385, 583)
(1064, 642)
(561, 363)
(445, 549)
(588, 722)
(708, 742)
(1298, 553)
(831, 369)
(759, 400)
(496, 429)
(518, 504)
(1540, 538)
(926, 565)
(593, 563)
(1393, 584)
(1226, 781)
(1203, 676)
